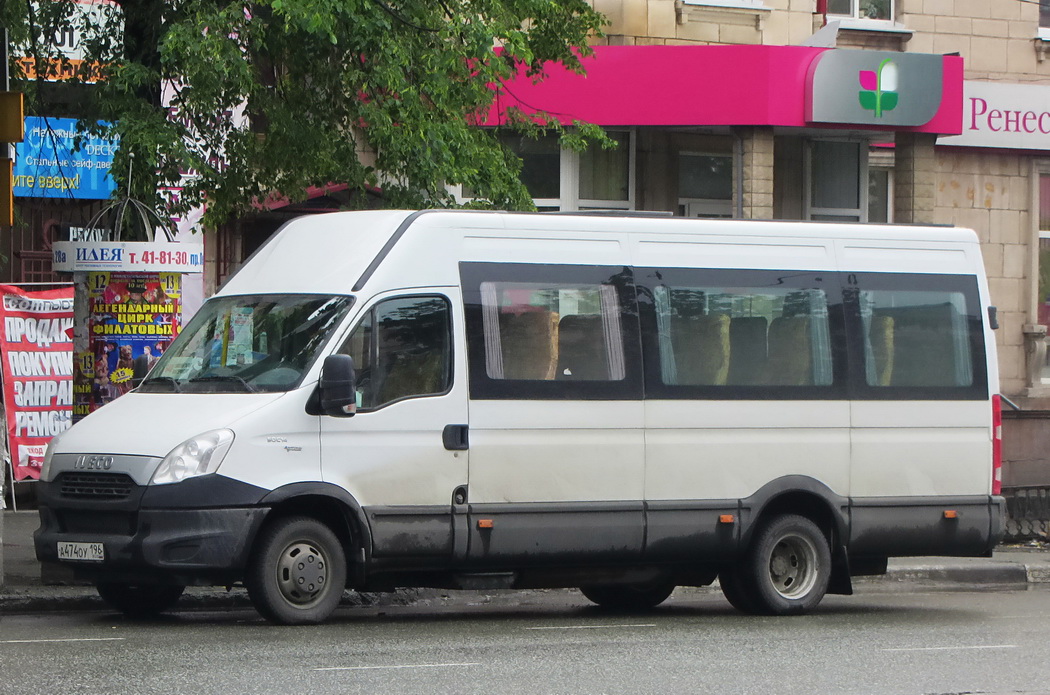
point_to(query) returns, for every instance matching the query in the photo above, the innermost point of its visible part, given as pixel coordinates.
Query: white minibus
(480, 400)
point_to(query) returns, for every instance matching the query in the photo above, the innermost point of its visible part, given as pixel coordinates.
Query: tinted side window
(742, 334)
(551, 331)
(402, 348)
(917, 336)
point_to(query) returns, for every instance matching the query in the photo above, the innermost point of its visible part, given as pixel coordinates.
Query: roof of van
(336, 253)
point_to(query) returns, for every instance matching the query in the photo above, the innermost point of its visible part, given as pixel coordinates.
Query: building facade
(739, 148)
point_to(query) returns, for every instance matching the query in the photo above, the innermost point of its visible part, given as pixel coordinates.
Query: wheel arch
(815, 501)
(333, 506)
(800, 495)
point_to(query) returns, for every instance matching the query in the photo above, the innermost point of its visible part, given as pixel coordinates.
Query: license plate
(86, 552)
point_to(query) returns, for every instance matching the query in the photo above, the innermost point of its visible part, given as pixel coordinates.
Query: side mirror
(338, 386)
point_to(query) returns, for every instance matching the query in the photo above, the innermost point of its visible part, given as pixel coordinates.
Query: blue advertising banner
(48, 165)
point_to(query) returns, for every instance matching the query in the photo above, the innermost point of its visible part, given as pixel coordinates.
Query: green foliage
(275, 96)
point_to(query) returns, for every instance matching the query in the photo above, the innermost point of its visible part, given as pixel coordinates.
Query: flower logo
(879, 88)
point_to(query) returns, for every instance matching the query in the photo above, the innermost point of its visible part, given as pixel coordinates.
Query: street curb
(994, 576)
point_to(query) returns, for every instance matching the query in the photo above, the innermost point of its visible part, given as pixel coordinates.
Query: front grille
(95, 486)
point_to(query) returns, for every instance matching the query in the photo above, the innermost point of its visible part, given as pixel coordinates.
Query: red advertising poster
(132, 319)
(37, 352)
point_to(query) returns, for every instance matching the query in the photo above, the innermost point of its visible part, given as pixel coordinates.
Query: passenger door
(403, 454)
(556, 440)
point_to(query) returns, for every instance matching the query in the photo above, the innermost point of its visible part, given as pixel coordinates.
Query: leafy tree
(271, 97)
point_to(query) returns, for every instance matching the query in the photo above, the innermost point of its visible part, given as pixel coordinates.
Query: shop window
(880, 195)
(862, 9)
(1044, 260)
(834, 171)
(705, 185)
(604, 175)
(540, 164)
(562, 179)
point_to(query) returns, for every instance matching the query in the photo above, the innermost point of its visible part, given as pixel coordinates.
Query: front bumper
(179, 534)
(180, 546)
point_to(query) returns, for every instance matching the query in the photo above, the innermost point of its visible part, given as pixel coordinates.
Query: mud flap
(840, 582)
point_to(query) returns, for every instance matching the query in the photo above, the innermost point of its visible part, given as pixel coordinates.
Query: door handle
(454, 437)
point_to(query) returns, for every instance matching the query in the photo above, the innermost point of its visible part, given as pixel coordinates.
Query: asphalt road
(899, 643)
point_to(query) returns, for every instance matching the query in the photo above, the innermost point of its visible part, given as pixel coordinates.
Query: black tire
(629, 597)
(297, 572)
(787, 568)
(736, 592)
(139, 600)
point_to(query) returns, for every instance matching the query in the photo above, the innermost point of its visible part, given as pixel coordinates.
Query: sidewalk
(22, 589)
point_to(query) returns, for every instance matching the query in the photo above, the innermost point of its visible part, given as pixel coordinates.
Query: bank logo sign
(896, 89)
(879, 88)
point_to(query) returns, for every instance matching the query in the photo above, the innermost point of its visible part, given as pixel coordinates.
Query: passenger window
(402, 348)
(743, 336)
(552, 331)
(916, 338)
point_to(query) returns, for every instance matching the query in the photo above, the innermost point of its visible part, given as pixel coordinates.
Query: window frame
(860, 390)
(855, 15)
(569, 199)
(707, 208)
(656, 389)
(1042, 170)
(815, 213)
(484, 387)
(370, 313)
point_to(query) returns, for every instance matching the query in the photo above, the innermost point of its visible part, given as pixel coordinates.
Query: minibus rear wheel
(787, 568)
(297, 572)
(629, 596)
(139, 600)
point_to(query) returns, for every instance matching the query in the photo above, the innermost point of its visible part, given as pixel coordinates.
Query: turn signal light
(484, 523)
(726, 519)
(951, 514)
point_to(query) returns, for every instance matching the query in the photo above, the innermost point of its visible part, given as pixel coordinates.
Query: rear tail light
(997, 445)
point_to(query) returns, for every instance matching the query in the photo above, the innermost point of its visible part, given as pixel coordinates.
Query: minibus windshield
(247, 344)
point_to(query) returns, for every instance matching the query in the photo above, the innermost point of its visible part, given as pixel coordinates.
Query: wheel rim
(302, 573)
(793, 566)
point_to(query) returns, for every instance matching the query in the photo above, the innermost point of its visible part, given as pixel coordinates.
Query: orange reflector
(726, 519)
(951, 514)
(484, 523)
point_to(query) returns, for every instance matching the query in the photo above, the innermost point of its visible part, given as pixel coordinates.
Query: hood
(152, 424)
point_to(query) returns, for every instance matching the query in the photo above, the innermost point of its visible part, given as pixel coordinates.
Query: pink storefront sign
(699, 86)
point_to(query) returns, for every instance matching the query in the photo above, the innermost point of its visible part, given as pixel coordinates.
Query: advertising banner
(132, 319)
(37, 353)
(50, 163)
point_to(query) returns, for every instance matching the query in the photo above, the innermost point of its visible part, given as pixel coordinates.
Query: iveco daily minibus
(622, 404)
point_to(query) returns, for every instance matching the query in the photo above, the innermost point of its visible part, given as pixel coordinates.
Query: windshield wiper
(163, 380)
(226, 378)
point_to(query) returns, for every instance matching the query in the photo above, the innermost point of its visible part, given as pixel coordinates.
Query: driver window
(402, 349)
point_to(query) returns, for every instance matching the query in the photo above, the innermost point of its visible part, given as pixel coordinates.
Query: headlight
(198, 455)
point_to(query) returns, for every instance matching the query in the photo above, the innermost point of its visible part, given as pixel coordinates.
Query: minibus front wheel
(297, 572)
